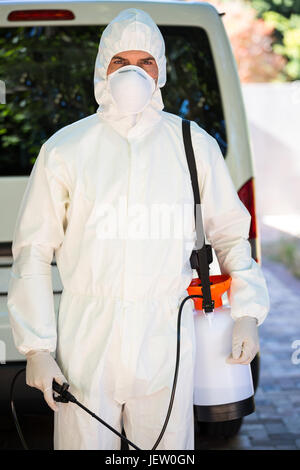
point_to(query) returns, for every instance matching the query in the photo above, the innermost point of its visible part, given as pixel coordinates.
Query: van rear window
(48, 74)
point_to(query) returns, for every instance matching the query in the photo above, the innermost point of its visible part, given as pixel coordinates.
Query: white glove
(245, 341)
(41, 369)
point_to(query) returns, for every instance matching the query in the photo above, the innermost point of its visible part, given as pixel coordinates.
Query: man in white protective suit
(115, 336)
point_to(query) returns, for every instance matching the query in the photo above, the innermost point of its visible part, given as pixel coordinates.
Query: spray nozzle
(62, 390)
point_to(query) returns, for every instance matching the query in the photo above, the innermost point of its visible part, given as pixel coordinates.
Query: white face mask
(131, 88)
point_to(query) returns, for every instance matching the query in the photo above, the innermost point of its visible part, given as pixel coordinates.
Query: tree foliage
(284, 17)
(251, 39)
(284, 7)
(287, 41)
(48, 80)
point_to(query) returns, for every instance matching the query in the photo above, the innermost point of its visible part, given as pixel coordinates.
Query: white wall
(273, 112)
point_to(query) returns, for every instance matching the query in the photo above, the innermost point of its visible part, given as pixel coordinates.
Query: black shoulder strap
(189, 151)
(199, 257)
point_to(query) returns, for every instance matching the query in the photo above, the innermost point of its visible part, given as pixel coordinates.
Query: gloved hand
(245, 341)
(41, 369)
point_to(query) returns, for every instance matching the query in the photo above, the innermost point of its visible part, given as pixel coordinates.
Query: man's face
(140, 58)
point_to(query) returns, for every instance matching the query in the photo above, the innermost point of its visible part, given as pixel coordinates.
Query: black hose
(176, 370)
(13, 409)
(70, 397)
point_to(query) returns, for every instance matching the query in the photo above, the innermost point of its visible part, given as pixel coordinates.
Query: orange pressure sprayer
(222, 391)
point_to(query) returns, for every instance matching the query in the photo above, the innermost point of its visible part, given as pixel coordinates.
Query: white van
(48, 50)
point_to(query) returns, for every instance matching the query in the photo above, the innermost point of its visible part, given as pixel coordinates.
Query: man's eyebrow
(148, 58)
(123, 58)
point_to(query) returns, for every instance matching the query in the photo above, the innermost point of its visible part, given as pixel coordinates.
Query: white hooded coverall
(115, 336)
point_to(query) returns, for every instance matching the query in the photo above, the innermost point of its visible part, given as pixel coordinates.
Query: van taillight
(247, 196)
(40, 15)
